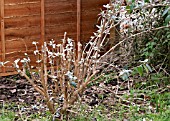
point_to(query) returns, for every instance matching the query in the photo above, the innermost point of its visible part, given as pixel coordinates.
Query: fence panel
(25, 21)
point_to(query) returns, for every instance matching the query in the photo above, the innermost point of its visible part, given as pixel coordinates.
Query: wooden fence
(25, 21)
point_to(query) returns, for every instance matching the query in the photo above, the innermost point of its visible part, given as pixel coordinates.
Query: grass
(100, 112)
(95, 114)
(8, 116)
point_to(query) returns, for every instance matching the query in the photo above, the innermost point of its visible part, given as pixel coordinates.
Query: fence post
(2, 33)
(42, 22)
(78, 20)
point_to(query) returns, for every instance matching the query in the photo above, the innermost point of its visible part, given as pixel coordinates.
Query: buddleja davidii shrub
(64, 70)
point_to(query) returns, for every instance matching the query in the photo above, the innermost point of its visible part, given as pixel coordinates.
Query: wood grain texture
(27, 21)
(60, 6)
(24, 32)
(21, 44)
(12, 2)
(26, 9)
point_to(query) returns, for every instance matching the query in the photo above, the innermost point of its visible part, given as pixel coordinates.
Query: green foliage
(149, 50)
(158, 50)
(156, 44)
(157, 106)
(166, 15)
(9, 116)
(142, 70)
